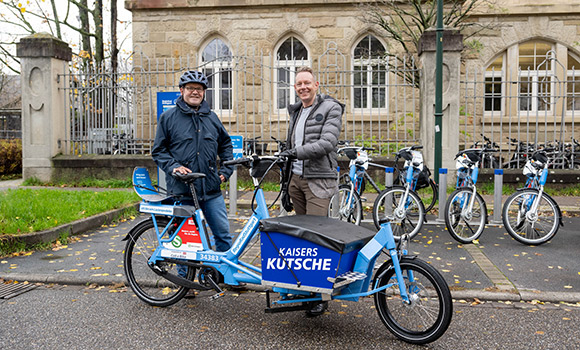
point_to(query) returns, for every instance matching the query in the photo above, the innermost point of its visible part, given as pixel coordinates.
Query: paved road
(499, 268)
(81, 317)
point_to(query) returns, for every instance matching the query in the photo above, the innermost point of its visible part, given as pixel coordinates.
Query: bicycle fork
(467, 212)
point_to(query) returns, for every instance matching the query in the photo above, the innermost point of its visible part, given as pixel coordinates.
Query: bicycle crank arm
(177, 279)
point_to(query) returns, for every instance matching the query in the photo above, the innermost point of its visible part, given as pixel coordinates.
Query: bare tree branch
(405, 21)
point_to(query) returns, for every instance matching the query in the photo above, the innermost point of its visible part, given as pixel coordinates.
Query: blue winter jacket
(194, 139)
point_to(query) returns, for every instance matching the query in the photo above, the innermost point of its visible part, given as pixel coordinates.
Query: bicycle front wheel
(146, 284)
(525, 226)
(407, 218)
(427, 314)
(428, 195)
(465, 224)
(349, 205)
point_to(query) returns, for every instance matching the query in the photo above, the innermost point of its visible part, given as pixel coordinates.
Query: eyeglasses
(193, 88)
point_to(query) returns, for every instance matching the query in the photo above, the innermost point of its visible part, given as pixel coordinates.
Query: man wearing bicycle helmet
(315, 124)
(190, 138)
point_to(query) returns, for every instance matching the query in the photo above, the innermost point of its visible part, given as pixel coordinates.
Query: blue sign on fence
(238, 144)
(165, 101)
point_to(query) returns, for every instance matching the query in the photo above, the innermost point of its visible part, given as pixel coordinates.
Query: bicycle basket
(260, 166)
(423, 178)
(350, 153)
(467, 159)
(535, 165)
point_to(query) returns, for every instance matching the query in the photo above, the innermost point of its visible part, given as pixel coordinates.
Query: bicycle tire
(530, 230)
(429, 195)
(146, 284)
(410, 221)
(428, 315)
(354, 213)
(460, 227)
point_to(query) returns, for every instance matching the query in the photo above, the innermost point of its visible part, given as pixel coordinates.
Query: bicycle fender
(558, 208)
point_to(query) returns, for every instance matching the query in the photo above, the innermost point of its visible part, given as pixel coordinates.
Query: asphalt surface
(106, 317)
(498, 268)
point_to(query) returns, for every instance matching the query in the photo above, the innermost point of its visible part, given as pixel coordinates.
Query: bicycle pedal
(363, 199)
(217, 296)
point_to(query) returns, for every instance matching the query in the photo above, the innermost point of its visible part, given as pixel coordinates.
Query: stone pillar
(42, 58)
(452, 47)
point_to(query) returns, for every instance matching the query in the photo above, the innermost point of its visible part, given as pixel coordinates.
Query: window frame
(289, 66)
(368, 63)
(216, 69)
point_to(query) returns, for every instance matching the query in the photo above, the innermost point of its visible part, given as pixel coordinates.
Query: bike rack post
(234, 192)
(442, 194)
(497, 192)
(389, 176)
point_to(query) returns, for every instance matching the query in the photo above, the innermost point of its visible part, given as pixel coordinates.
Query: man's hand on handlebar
(289, 153)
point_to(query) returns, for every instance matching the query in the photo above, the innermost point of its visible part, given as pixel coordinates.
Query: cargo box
(304, 252)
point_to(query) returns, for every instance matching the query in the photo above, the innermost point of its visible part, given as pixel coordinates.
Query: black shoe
(190, 294)
(238, 287)
(317, 309)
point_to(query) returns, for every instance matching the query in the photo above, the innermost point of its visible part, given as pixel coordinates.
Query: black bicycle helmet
(193, 77)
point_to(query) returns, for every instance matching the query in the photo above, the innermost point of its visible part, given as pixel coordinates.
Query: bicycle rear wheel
(147, 285)
(350, 213)
(409, 220)
(465, 225)
(527, 227)
(427, 315)
(428, 195)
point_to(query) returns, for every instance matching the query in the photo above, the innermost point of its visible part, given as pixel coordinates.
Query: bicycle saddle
(190, 177)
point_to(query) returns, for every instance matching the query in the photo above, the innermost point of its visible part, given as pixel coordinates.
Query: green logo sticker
(176, 242)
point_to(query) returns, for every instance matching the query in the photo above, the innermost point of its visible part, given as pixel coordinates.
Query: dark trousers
(305, 202)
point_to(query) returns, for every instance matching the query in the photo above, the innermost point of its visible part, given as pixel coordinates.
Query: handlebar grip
(237, 161)
(416, 147)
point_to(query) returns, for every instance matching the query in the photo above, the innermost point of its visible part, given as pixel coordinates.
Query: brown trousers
(305, 202)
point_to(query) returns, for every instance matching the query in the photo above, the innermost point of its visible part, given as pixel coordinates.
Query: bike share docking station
(496, 220)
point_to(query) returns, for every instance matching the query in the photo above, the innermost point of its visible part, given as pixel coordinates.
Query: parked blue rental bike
(306, 260)
(530, 215)
(465, 209)
(352, 185)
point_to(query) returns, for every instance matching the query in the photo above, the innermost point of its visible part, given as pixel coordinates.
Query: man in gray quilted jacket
(315, 125)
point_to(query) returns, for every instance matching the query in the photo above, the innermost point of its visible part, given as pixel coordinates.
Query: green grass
(31, 210)
(86, 182)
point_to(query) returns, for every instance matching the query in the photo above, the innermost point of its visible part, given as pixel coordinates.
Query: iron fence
(116, 112)
(536, 109)
(10, 124)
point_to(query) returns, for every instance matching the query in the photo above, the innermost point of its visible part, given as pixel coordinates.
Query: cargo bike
(305, 260)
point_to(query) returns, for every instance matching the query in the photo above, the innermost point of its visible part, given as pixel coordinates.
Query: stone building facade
(503, 86)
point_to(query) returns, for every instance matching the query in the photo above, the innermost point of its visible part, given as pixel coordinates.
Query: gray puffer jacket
(321, 133)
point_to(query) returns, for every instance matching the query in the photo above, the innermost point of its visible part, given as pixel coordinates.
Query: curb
(481, 294)
(73, 228)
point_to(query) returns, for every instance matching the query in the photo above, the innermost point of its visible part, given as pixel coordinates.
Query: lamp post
(438, 89)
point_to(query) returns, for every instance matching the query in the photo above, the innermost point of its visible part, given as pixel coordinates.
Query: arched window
(216, 60)
(573, 83)
(535, 76)
(370, 74)
(290, 55)
(538, 88)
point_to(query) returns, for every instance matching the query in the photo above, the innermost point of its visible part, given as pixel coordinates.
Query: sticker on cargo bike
(290, 260)
(248, 229)
(156, 209)
(178, 254)
(187, 238)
